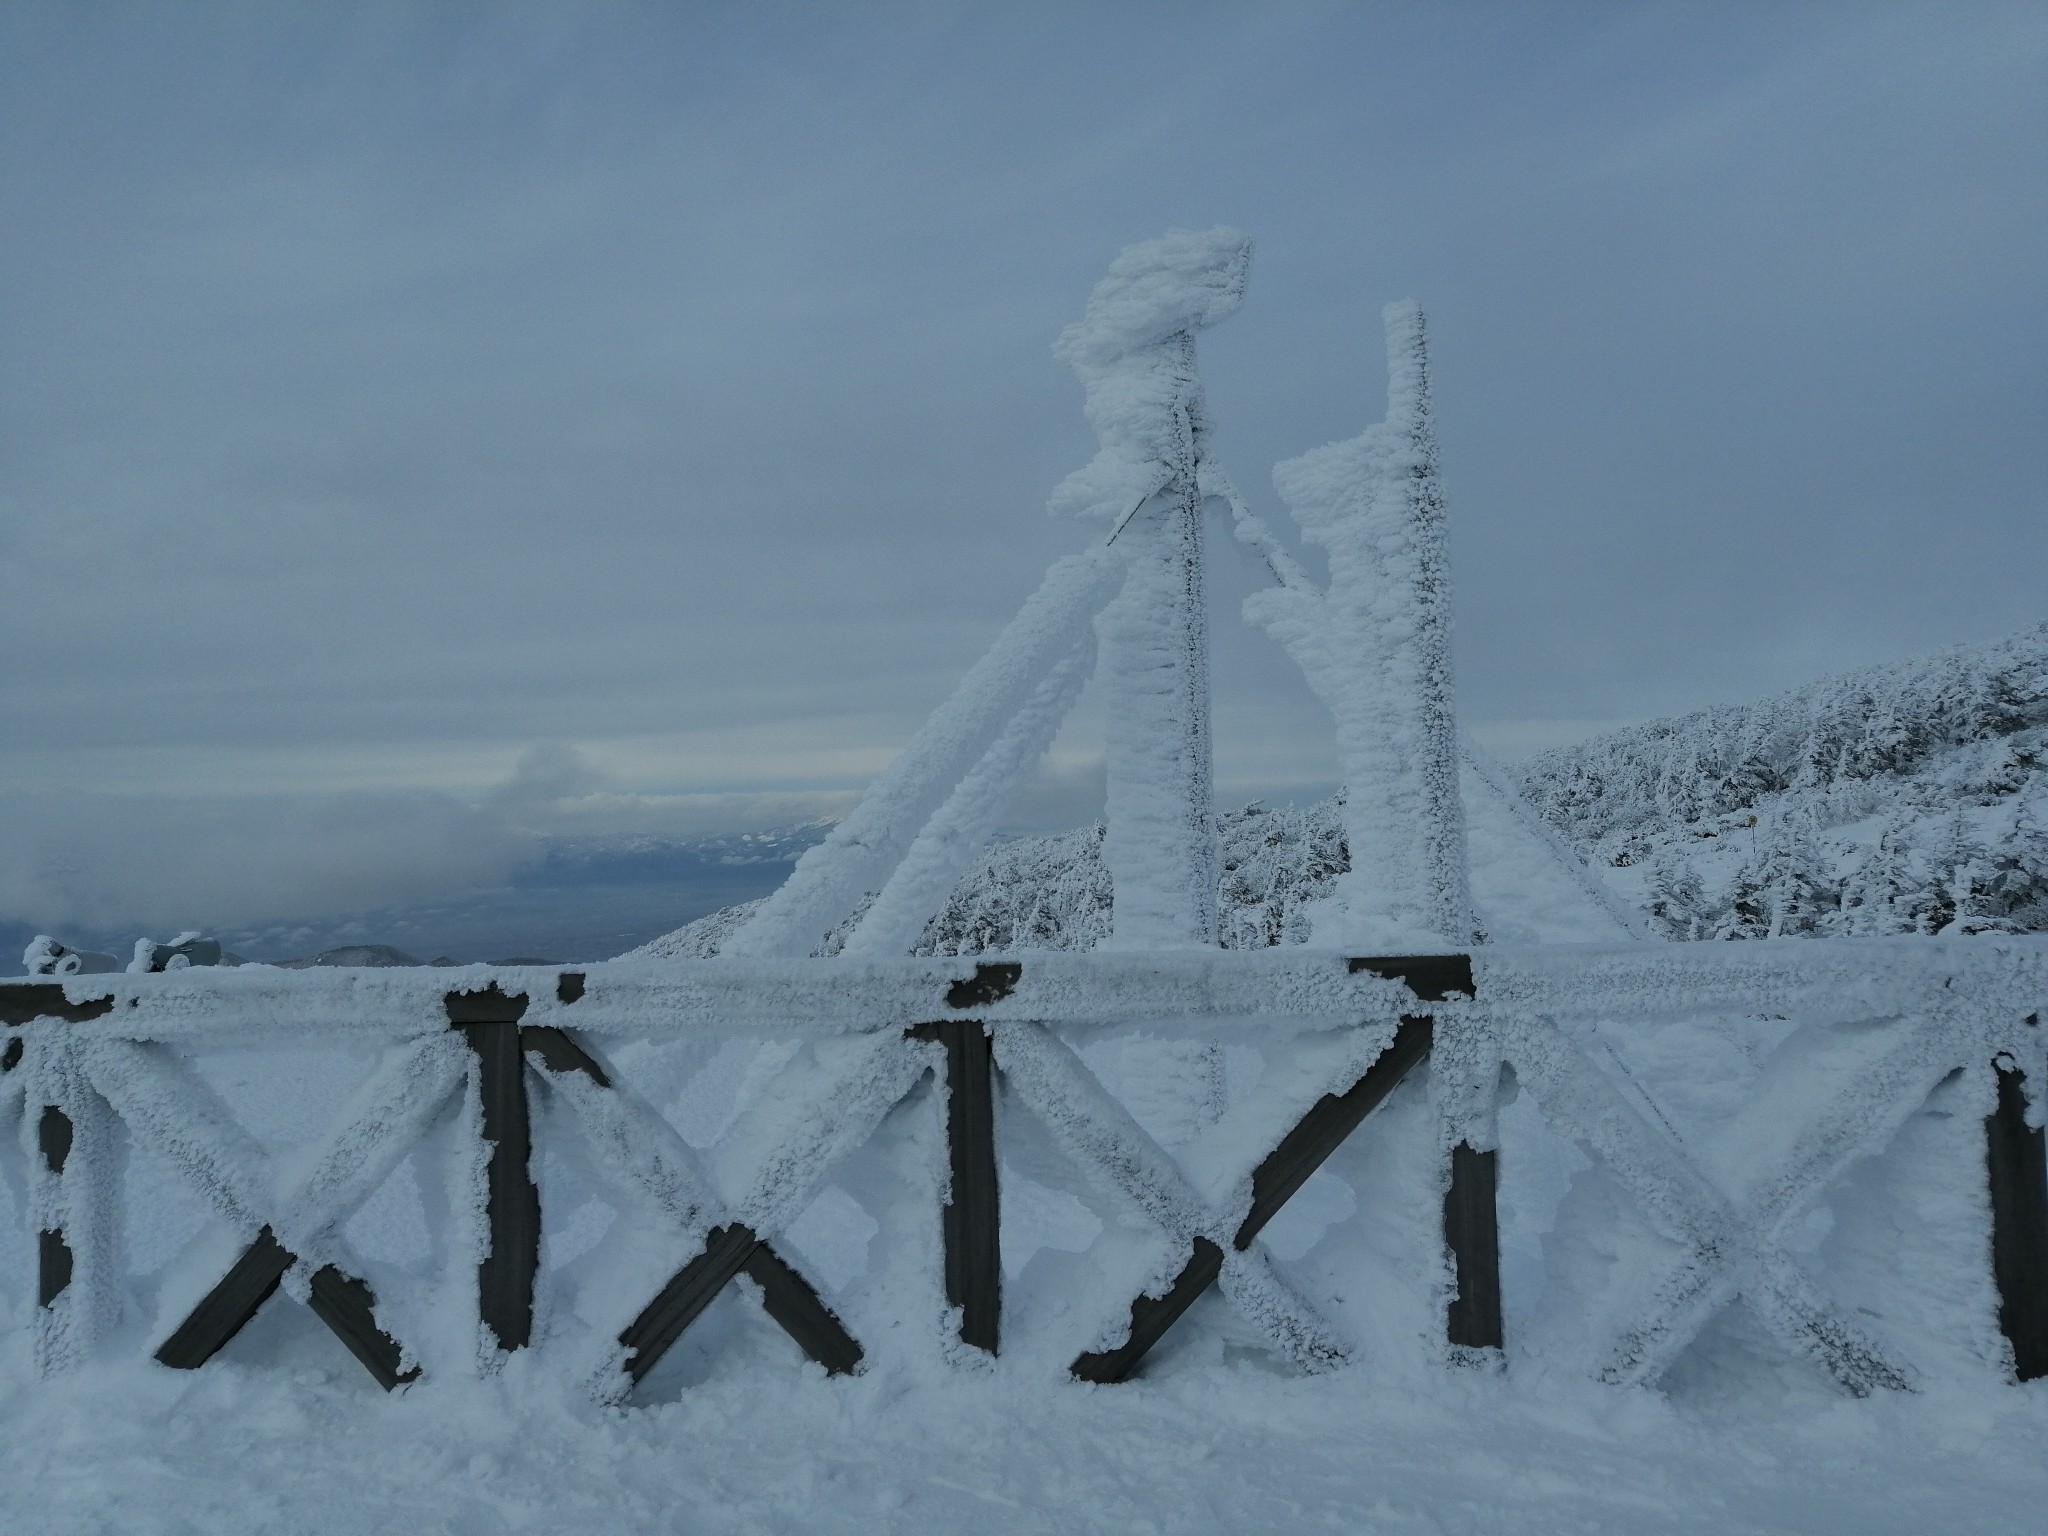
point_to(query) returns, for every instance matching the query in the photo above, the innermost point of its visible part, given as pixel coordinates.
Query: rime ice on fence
(1134, 351)
(1375, 647)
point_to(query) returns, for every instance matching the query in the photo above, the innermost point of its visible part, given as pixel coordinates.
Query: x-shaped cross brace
(175, 1119)
(645, 1150)
(1101, 1135)
(1731, 1247)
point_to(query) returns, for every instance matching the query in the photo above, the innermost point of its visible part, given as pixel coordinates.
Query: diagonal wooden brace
(729, 1250)
(971, 1223)
(166, 1113)
(786, 1296)
(1728, 1239)
(2017, 1170)
(344, 1303)
(1285, 1169)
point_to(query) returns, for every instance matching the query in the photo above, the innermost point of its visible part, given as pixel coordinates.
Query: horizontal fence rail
(1816, 980)
(97, 1059)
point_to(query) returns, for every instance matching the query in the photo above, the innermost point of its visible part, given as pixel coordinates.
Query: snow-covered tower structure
(1375, 645)
(1134, 351)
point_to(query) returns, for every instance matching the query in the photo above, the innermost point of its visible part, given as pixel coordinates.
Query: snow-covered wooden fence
(102, 1070)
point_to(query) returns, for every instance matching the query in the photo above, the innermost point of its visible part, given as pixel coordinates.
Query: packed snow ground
(1214, 1448)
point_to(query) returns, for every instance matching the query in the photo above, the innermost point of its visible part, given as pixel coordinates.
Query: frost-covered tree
(1677, 904)
(1878, 723)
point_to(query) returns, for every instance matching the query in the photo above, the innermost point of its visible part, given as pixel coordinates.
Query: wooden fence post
(972, 1220)
(1275, 1181)
(2016, 1164)
(72, 1201)
(1472, 1233)
(489, 1021)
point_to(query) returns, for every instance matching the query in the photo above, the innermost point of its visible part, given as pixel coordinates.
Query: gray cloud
(390, 388)
(108, 862)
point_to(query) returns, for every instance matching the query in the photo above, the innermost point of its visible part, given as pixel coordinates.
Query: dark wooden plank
(1432, 978)
(559, 1052)
(53, 1248)
(991, 982)
(505, 1277)
(787, 1297)
(24, 1002)
(1322, 1130)
(972, 1220)
(2017, 1165)
(1274, 1182)
(53, 1137)
(53, 1266)
(485, 1005)
(224, 1310)
(688, 1293)
(1472, 1232)
(349, 1309)
(1151, 1316)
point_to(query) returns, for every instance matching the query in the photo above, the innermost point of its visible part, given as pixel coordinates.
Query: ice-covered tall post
(1376, 648)
(1134, 350)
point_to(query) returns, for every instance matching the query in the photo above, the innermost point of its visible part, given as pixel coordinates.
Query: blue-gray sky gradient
(387, 389)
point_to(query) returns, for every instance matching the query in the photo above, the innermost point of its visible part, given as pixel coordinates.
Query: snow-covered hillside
(1903, 799)
(1906, 799)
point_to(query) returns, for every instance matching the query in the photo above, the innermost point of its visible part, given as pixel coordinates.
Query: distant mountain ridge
(636, 858)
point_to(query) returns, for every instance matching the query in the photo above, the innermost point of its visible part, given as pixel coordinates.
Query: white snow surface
(764, 1446)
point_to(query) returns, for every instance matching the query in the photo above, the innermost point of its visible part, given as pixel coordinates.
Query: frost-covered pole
(1376, 648)
(69, 1135)
(861, 851)
(1134, 350)
(960, 829)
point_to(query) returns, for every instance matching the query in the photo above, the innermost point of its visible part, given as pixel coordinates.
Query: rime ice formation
(928, 815)
(1904, 799)
(953, 839)
(1134, 351)
(1375, 647)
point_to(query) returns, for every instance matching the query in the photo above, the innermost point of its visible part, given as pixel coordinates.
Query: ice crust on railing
(76, 1202)
(1198, 994)
(1714, 1196)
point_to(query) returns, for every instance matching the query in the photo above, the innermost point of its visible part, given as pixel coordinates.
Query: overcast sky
(388, 391)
